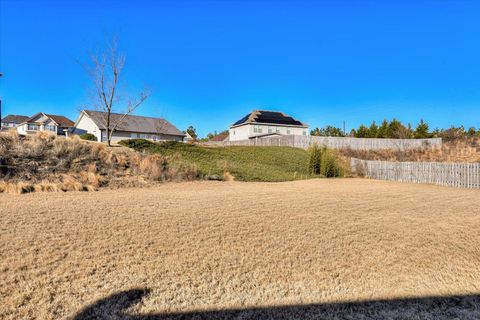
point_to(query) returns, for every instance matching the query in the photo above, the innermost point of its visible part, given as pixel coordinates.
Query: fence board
(336, 142)
(459, 175)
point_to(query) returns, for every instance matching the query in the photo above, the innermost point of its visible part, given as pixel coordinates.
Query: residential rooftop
(14, 118)
(133, 123)
(269, 117)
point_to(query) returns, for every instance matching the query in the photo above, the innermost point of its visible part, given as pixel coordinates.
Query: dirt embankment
(44, 162)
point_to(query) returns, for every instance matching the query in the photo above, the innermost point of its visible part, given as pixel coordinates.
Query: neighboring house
(223, 136)
(12, 121)
(188, 137)
(131, 127)
(261, 123)
(59, 125)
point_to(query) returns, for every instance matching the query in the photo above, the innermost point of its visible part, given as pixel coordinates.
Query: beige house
(261, 123)
(56, 124)
(12, 121)
(131, 127)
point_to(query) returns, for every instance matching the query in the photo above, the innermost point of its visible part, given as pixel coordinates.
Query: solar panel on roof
(242, 120)
(270, 117)
(276, 118)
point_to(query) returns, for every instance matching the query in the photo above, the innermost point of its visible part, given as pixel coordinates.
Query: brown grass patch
(36, 163)
(206, 245)
(460, 150)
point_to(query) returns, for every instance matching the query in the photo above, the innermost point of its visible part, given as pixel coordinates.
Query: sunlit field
(306, 249)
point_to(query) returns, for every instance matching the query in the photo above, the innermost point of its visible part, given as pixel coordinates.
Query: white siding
(86, 125)
(22, 129)
(246, 131)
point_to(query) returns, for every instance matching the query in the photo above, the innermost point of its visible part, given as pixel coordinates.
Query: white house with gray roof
(261, 123)
(131, 127)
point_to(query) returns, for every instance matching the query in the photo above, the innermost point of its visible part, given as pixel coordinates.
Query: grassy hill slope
(243, 162)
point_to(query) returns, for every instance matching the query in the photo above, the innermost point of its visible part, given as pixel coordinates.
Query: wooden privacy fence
(460, 175)
(336, 142)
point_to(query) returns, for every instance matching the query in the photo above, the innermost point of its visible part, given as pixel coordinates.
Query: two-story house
(56, 124)
(261, 123)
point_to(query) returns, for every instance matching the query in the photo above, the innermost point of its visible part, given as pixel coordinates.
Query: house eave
(306, 126)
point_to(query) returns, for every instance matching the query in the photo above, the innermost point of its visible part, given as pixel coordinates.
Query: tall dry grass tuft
(69, 183)
(166, 168)
(154, 167)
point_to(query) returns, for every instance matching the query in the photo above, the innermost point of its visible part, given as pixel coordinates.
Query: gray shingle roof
(14, 118)
(132, 123)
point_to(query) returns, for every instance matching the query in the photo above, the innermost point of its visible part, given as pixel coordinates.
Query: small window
(133, 135)
(304, 132)
(32, 127)
(270, 130)
(50, 128)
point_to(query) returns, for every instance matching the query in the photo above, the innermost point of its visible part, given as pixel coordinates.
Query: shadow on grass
(441, 308)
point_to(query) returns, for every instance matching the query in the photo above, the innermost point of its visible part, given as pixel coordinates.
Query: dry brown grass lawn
(210, 245)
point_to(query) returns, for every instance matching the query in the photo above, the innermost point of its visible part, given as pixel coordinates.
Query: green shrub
(88, 136)
(331, 165)
(315, 159)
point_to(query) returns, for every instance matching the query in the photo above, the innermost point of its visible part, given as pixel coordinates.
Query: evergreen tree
(315, 159)
(372, 130)
(422, 131)
(361, 132)
(395, 129)
(382, 130)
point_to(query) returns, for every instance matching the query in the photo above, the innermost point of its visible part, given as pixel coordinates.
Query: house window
(270, 130)
(257, 129)
(304, 132)
(50, 128)
(143, 136)
(32, 127)
(288, 131)
(133, 135)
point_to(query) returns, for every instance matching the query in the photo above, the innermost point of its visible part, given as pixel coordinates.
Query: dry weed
(44, 157)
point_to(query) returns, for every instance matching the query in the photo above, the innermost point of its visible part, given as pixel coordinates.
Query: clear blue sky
(208, 63)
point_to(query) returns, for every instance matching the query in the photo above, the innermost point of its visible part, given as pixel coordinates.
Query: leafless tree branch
(106, 71)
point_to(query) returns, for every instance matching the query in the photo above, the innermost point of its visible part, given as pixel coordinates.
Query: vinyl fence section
(336, 142)
(460, 175)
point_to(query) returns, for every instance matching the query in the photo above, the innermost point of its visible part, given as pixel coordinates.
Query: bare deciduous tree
(105, 71)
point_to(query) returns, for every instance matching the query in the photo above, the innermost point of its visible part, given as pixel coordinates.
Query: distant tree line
(394, 129)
